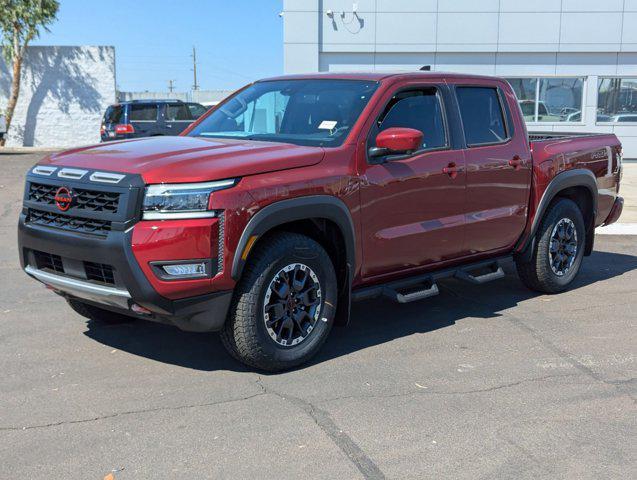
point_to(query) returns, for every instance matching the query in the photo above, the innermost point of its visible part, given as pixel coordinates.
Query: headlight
(181, 200)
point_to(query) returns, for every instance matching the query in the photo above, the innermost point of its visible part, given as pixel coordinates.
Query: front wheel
(559, 249)
(284, 305)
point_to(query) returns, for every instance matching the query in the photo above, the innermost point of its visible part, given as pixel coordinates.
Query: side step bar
(424, 286)
(411, 295)
(494, 272)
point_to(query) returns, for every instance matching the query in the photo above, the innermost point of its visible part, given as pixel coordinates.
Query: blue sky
(237, 41)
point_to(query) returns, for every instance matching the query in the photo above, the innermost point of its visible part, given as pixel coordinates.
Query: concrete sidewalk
(628, 190)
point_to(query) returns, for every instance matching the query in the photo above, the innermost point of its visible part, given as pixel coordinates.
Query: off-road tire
(97, 314)
(245, 335)
(537, 273)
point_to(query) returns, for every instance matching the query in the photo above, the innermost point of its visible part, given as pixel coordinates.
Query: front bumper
(204, 312)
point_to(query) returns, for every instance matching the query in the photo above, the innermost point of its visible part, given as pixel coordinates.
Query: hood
(188, 159)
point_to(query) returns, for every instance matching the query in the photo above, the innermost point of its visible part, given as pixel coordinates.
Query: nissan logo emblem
(63, 198)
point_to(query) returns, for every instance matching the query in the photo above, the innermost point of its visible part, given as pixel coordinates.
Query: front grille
(66, 222)
(48, 261)
(99, 272)
(90, 200)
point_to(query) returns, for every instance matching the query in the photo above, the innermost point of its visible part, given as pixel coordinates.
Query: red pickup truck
(300, 194)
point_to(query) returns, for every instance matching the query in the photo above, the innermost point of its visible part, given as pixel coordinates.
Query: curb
(618, 229)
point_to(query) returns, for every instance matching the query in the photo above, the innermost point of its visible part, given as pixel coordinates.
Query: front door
(177, 117)
(412, 207)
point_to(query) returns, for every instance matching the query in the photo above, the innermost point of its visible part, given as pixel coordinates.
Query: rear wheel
(559, 249)
(284, 305)
(98, 314)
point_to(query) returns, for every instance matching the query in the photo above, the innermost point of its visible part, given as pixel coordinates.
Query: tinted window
(525, 89)
(420, 110)
(196, 110)
(140, 112)
(556, 99)
(481, 115)
(177, 112)
(617, 100)
(114, 114)
(303, 112)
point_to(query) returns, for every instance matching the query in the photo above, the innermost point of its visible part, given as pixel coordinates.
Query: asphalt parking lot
(480, 382)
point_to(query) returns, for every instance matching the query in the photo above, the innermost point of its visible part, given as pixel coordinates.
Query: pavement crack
(342, 440)
(130, 412)
(623, 387)
(458, 392)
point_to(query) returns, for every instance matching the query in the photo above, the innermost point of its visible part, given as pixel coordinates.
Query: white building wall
(510, 38)
(63, 94)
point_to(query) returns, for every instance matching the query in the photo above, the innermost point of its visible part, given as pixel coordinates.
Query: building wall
(63, 94)
(510, 38)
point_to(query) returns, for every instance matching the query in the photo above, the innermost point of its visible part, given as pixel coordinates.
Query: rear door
(412, 207)
(113, 116)
(498, 166)
(144, 119)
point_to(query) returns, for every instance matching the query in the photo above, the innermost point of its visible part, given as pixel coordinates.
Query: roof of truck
(378, 76)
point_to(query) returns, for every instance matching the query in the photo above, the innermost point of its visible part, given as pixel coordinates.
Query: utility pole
(171, 86)
(195, 85)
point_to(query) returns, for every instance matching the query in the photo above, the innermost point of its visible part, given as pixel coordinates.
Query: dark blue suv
(148, 118)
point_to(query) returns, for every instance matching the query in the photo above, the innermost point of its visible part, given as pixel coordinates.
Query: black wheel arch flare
(302, 208)
(294, 209)
(577, 177)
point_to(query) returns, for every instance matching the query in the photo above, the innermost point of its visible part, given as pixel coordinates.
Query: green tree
(20, 22)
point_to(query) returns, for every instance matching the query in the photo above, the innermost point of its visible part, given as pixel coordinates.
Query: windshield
(302, 112)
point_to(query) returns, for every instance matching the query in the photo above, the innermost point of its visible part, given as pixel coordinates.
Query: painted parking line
(618, 229)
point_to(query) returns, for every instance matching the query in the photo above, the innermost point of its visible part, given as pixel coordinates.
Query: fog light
(183, 270)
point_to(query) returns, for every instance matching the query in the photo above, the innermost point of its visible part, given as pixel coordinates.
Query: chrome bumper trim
(89, 291)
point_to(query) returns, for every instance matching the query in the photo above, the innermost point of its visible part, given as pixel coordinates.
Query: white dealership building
(573, 63)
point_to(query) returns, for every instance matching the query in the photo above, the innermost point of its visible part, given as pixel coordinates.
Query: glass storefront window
(549, 99)
(525, 89)
(617, 100)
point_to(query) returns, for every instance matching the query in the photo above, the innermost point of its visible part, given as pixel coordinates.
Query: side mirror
(396, 141)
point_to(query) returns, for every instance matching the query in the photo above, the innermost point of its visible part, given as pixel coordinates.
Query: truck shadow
(373, 323)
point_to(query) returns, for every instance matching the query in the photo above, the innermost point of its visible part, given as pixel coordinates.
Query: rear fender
(578, 177)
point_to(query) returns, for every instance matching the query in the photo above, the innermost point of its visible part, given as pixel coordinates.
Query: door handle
(516, 162)
(451, 170)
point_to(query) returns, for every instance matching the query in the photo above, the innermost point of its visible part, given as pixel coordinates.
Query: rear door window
(196, 110)
(114, 114)
(420, 110)
(143, 112)
(178, 112)
(482, 116)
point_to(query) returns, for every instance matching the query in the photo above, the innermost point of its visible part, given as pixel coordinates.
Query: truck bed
(538, 136)
(551, 144)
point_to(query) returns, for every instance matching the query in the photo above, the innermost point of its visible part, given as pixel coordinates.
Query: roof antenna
(425, 68)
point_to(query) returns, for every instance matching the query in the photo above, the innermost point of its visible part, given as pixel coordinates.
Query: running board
(421, 286)
(413, 294)
(494, 272)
